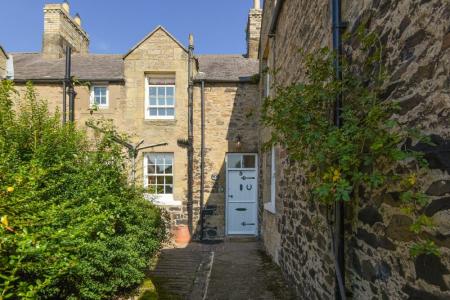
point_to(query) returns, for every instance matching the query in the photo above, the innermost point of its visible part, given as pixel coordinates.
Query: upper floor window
(160, 98)
(100, 96)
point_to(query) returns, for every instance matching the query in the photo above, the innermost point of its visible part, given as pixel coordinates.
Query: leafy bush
(71, 226)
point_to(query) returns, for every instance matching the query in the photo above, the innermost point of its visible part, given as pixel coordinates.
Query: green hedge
(71, 227)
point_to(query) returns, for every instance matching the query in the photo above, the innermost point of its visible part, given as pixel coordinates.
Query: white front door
(242, 193)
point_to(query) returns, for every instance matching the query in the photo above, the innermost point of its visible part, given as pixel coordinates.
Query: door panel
(241, 198)
(242, 186)
(241, 218)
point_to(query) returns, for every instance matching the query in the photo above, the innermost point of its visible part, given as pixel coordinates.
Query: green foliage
(71, 226)
(424, 247)
(366, 154)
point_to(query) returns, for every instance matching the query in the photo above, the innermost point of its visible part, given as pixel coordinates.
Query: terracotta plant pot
(181, 234)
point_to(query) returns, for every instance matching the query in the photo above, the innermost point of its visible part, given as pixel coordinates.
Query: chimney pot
(77, 19)
(65, 5)
(256, 4)
(191, 40)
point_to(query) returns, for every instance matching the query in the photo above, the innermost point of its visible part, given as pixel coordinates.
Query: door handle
(231, 196)
(241, 187)
(245, 224)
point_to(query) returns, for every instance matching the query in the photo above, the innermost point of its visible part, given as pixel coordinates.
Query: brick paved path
(232, 270)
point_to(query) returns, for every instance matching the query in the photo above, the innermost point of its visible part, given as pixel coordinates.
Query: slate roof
(109, 67)
(226, 68)
(93, 67)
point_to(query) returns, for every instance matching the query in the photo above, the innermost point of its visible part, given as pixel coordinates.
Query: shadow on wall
(231, 125)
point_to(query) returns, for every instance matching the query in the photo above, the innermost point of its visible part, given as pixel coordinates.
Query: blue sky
(115, 26)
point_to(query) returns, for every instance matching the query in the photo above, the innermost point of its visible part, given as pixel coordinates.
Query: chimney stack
(254, 30)
(61, 31)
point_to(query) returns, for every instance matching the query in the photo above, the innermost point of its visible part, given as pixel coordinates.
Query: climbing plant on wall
(367, 154)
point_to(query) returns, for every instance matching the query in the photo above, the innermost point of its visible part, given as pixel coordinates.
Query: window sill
(166, 200)
(160, 121)
(270, 207)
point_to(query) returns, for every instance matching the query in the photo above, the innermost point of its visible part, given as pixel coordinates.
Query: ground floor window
(158, 173)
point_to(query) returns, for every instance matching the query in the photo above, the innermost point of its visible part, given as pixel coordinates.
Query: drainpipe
(66, 82)
(69, 85)
(339, 206)
(190, 148)
(202, 159)
(276, 15)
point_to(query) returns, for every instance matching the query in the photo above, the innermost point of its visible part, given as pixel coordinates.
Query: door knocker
(249, 187)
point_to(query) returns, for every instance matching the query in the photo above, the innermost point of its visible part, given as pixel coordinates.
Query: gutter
(59, 80)
(250, 81)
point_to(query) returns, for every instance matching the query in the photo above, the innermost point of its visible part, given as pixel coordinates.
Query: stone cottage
(214, 177)
(151, 92)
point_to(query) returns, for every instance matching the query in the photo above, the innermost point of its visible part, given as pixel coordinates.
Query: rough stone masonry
(416, 40)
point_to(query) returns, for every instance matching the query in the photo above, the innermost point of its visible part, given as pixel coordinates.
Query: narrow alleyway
(235, 269)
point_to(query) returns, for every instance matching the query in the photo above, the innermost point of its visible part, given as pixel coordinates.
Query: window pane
(152, 189)
(161, 111)
(168, 159)
(160, 169)
(160, 189)
(153, 91)
(234, 161)
(168, 169)
(150, 159)
(249, 161)
(151, 169)
(160, 160)
(152, 100)
(169, 179)
(153, 112)
(169, 189)
(169, 101)
(161, 92)
(160, 180)
(169, 91)
(151, 180)
(161, 100)
(170, 111)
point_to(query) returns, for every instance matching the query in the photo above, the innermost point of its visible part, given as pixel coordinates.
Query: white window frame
(159, 199)
(270, 206)
(267, 85)
(147, 105)
(92, 100)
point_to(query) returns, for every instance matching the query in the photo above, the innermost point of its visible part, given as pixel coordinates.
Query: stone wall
(416, 39)
(60, 31)
(230, 110)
